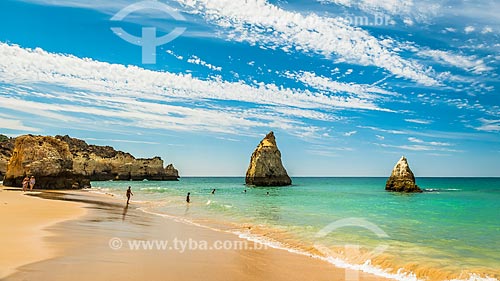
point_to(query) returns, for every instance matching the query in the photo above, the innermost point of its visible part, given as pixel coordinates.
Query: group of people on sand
(29, 181)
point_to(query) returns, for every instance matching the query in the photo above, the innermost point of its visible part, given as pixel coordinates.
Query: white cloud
(409, 10)
(170, 52)
(419, 147)
(18, 65)
(196, 60)
(419, 121)
(117, 140)
(363, 91)
(79, 91)
(351, 133)
(467, 63)
(486, 30)
(469, 29)
(394, 132)
(16, 125)
(259, 22)
(432, 143)
(489, 125)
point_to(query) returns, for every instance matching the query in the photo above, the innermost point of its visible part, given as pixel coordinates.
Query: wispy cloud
(16, 125)
(395, 132)
(351, 133)
(433, 143)
(71, 89)
(418, 147)
(20, 65)
(363, 91)
(489, 125)
(419, 121)
(196, 60)
(260, 22)
(124, 141)
(464, 62)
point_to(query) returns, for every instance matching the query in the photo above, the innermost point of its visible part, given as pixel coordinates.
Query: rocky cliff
(265, 167)
(46, 158)
(105, 163)
(63, 162)
(402, 178)
(6, 148)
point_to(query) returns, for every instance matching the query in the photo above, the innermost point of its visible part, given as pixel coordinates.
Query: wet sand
(88, 250)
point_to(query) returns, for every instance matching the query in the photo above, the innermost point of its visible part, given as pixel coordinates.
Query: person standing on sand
(129, 193)
(187, 197)
(32, 182)
(25, 183)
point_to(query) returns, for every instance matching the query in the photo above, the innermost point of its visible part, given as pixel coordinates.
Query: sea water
(451, 231)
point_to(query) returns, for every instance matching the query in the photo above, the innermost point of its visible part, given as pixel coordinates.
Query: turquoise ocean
(449, 232)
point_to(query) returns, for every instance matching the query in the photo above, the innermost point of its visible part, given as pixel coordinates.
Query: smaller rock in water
(171, 173)
(402, 178)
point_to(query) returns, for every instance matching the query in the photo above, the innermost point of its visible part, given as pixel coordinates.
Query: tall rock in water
(402, 178)
(265, 167)
(46, 158)
(171, 173)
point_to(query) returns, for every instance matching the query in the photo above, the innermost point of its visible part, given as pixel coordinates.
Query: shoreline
(25, 227)
(107, 218)
(108, 209)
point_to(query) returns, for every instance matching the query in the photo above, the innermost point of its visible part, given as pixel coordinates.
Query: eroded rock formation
(265, 167)
(63, 162)
(46, 158)
(6, 148)
(402, 178)
(105, 163)
(171, 172)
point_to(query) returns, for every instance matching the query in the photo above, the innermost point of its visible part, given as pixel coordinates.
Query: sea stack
(265, 167)
(402, 178)
(171, 173)
(48, 159)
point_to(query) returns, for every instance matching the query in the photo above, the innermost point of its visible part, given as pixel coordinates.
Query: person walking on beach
(129, 193)
(32, 182)
(187, 197)
(26, 181)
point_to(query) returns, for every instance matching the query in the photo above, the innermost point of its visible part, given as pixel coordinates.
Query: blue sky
(348, 86)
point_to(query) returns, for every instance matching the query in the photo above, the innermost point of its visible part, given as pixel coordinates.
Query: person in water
(213, 191)
(129, 193)
(245, 191)
(187, 197)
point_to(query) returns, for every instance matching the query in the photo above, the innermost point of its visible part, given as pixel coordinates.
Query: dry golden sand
(23, 222)
(85, 253)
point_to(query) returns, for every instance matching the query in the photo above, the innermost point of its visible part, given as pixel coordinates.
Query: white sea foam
(476, 277)
(366, 267)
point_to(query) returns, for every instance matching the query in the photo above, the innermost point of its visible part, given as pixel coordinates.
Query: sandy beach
(25, 223)
(59, 240)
